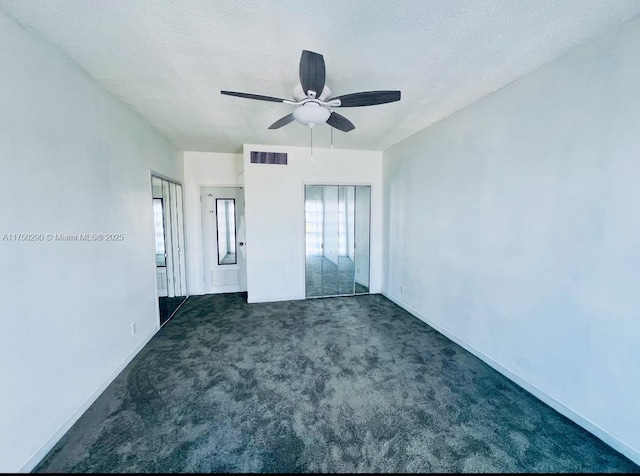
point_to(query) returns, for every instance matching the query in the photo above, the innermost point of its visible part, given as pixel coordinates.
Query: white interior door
(223, 245)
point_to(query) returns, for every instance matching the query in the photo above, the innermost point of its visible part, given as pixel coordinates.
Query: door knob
(241, 243)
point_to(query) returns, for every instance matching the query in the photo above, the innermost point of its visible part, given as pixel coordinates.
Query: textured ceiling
(170, 59)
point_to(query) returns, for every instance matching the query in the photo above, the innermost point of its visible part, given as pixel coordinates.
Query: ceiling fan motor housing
(300, 95)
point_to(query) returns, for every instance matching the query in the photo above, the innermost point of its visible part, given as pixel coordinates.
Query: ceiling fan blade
(367, 98)
(254, 96)
(312, 73)
(283, 121)
(340, 122)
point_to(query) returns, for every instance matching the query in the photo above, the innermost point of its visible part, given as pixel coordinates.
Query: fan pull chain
(331, 137)
(311, 130)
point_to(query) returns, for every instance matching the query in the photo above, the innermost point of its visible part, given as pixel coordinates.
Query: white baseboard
(253, 300)
(611, 440)
(33, 461)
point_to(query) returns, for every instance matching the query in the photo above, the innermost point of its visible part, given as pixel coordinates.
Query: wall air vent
(274, 158)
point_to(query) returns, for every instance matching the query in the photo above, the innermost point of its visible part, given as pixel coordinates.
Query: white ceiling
(169, 59)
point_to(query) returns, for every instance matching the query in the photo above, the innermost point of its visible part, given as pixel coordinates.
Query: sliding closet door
(314, 232)
(362, 239)
(181, 277)
(159, 226)
(346, 241)
(169, 237)
(330, 241)
(337, 240)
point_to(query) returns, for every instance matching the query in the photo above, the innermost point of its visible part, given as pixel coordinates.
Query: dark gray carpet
(322, 385)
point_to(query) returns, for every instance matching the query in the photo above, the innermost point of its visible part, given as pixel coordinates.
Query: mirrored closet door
(169, 240)
(337, 222)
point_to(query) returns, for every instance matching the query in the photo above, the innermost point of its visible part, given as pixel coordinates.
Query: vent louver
(272, 158)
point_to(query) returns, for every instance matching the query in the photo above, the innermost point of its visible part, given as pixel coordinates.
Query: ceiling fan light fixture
(311, 114)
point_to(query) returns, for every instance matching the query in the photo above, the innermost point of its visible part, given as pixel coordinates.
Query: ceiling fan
(313, 101)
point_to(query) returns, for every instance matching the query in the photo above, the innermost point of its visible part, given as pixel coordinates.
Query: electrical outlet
(401, 289)
(133, 328)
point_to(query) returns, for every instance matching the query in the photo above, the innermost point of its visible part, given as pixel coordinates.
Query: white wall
(274, 211)
(514, 227)
(72, 160)
(204, 169)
